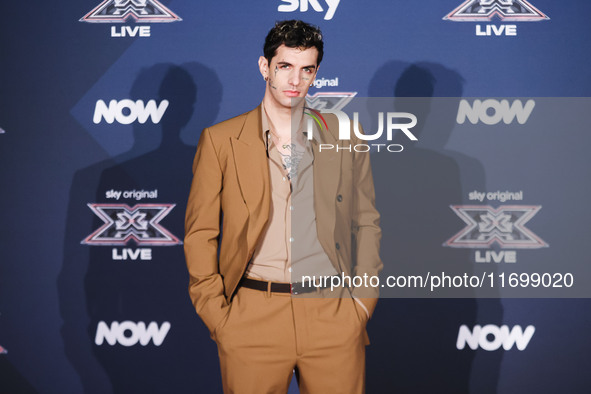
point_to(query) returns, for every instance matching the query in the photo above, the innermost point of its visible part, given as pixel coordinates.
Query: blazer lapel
(252, 167)
(327, 175)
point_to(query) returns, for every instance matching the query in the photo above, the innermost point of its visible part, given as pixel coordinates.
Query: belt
(288, 288)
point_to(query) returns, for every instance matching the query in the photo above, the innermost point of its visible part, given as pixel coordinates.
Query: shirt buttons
(289, 269)
(339, 198)
(284, 178)
(291, 240)
(337, 245)
(291, 208)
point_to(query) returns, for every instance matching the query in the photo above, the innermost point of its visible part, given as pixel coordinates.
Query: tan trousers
(265, 336)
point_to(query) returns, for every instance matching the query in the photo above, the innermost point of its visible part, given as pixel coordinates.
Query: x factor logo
(506, 10)
(118, 11)
(504, 225)
(123, 223)
(330, 100)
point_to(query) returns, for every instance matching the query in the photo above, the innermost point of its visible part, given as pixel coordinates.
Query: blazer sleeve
(366, 231)
(202, 233)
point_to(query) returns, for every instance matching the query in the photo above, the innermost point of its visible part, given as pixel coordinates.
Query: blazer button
(339, 198)
(337, 245)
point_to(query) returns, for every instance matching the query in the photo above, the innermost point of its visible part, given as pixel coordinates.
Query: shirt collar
(266, 128)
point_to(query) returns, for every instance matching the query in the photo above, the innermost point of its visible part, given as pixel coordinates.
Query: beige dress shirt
(289, 247)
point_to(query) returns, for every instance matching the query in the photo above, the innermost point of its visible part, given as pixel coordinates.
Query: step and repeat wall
(101, 107)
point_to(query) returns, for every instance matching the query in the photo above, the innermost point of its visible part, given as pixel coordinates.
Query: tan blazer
(230, 201)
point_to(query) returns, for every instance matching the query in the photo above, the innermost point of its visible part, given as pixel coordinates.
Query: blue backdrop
(83, 310)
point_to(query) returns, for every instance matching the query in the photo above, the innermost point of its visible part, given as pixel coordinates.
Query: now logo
(492, 111)
(491, 337)
(128, 111)
(128, 333)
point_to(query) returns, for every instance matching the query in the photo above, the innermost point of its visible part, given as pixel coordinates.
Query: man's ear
(264, 67)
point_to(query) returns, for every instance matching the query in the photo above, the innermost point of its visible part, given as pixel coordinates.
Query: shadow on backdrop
(93, 287)
(414, 340)
(12, 379)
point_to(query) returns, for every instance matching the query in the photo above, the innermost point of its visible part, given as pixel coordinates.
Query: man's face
(290, 74)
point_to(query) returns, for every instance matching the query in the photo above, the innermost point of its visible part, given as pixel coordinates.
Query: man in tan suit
(251, 173)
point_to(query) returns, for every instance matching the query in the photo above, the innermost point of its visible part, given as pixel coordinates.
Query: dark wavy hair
(293, 34)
